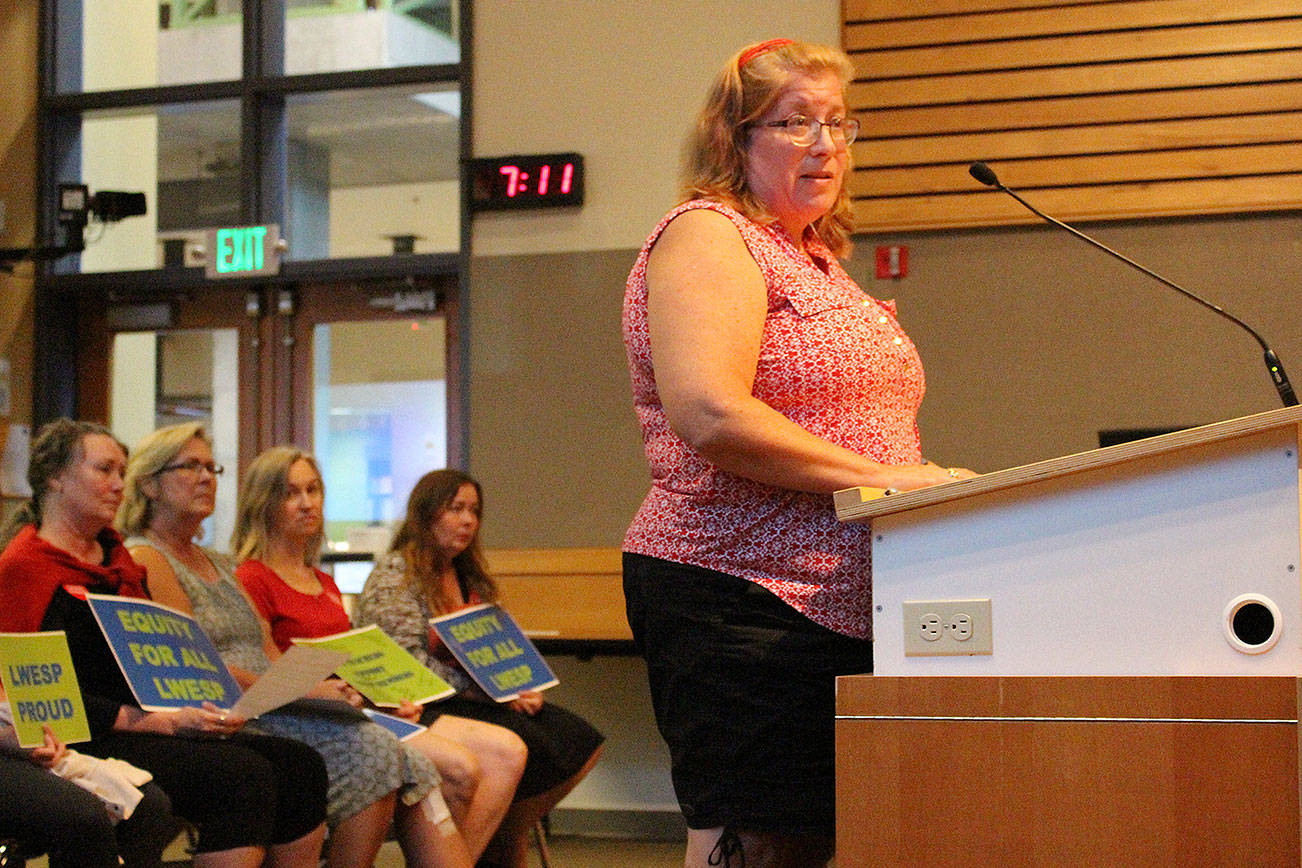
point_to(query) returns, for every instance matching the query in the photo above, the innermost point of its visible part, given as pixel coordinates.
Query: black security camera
(113, 205)
(76, 206)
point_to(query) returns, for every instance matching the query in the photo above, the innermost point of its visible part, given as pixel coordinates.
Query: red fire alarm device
(892, 261)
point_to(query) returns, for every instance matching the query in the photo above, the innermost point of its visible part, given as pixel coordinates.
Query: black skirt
(560, 742)
(744, 691)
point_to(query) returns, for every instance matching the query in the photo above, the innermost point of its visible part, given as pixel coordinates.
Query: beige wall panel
(553, 437)
(1033, 341)
(619, 83)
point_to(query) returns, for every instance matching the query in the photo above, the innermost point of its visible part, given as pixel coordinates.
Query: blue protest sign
(494, 651)
(167, 659)
(403, 729)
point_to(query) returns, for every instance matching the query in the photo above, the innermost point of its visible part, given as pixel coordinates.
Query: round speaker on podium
(1252, 623)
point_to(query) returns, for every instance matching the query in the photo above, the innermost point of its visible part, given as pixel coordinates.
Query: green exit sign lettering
(242, 251)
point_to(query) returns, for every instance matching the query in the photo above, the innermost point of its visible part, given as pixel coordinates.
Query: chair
(540, 841)
(13, 854)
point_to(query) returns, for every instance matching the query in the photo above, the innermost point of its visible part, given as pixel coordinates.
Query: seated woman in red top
(279, 530)
(255, 799)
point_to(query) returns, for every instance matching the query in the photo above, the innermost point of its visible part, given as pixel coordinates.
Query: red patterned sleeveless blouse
(834, 361)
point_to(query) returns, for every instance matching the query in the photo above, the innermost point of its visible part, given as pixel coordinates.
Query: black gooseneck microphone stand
(987, 176)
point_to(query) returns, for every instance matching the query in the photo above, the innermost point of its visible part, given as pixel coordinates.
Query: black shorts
(744, 691)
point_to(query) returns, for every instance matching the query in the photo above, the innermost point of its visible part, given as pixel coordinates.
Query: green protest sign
(380, 669)
(36, 669)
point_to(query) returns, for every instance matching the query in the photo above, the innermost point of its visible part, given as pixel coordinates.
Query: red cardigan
(31, 569)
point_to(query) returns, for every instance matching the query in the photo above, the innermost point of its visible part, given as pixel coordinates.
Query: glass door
(357, 373)
(372, 373)
(184, 357)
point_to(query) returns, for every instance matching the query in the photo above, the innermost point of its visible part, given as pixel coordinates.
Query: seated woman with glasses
(171, 488)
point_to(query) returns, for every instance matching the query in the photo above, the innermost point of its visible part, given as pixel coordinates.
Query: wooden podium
(1140, 703)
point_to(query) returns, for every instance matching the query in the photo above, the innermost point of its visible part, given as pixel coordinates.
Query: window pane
(171, 42)
(183, 375)
(185, 158)
(374, 172)
(336, 35)
(380, 422)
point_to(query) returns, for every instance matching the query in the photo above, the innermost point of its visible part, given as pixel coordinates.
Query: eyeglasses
(805, 131)
(193, 467)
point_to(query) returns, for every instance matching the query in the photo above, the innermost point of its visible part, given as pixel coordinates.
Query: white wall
(132, 386)
(120, 44)
(362, 218)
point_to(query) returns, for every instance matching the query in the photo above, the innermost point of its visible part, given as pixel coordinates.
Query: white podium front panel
(1119, 570)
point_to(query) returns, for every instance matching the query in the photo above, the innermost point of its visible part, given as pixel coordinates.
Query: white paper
(296, 672)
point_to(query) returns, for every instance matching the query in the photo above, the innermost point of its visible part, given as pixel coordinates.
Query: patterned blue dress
(365, 761)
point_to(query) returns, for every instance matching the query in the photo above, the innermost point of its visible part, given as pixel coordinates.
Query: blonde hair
(715, 160)
(151, 455)
(263, 489)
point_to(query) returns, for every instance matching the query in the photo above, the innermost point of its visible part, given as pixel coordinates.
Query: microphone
(987, 176)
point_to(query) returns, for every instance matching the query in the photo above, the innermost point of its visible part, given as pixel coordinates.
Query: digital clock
(526, 181)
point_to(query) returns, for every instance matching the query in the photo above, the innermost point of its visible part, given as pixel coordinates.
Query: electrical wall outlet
(947, 628)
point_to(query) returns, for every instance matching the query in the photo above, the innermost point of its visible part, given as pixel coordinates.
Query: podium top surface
(863, 504)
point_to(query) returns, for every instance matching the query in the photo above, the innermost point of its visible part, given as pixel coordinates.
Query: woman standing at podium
(764, 379)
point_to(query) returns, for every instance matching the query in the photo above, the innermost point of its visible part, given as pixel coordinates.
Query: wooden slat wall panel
(1138, 77)
(1050, 18)
(1095, 139)
(1107, 202)
(1086, 48)
(1128, 168)
(867, 10)
(1085, 110)
(1099, 109)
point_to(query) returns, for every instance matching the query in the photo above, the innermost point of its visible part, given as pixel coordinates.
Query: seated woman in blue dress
(375, 779)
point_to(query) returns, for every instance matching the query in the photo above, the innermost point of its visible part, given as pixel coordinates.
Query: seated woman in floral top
(435, 567)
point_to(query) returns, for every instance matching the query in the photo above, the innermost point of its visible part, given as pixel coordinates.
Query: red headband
(763, 48)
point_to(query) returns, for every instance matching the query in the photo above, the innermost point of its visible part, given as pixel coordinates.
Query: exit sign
(242, 251)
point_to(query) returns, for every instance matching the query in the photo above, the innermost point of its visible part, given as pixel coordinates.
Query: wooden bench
(568, 601)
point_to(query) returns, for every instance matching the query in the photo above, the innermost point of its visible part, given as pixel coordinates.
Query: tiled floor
(566, 851)
(575, 852)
